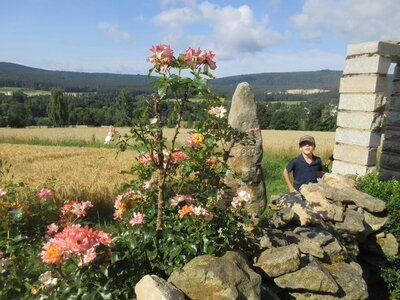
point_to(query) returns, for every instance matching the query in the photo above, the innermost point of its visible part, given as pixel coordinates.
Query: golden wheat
(79, 172)
(92, 173)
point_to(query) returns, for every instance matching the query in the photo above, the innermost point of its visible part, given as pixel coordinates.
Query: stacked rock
(326, 242)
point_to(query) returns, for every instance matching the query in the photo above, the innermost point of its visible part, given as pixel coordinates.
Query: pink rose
(137, 219)
(162, 57)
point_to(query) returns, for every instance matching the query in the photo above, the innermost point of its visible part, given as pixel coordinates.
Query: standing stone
(246, 159)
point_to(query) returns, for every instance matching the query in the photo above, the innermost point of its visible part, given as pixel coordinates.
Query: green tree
(124, 107)
(314, 121)
(284, 119)
(57, 109)
(16, 115)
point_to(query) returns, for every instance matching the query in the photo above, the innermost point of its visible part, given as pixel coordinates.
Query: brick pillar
(390, 159)
(361, 104)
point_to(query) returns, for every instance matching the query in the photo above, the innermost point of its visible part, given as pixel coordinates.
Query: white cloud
(228, 31)
(351, 20)
(112, 31)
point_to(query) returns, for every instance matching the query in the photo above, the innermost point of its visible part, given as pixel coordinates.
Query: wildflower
(241, 197)
(2, 193)
(178, 198)
(185, 210)
(137, 219)
(44, 193)
(162, 57)
(195, 139)
(217, 111)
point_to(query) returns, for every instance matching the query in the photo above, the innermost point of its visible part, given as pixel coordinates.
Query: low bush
(388, 191)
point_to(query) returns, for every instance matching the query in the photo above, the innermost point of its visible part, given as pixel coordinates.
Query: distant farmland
(94, 173)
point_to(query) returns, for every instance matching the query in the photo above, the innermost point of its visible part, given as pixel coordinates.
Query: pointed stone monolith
(246, 159)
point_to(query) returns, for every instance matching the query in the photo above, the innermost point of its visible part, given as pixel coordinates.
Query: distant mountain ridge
(15, 75)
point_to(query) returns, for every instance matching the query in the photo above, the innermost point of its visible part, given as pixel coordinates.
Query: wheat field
(273, 140)
(94, 173)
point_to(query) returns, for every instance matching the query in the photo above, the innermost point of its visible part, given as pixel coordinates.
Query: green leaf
(106, 296)
(174, 251)
(151, 254)
(191, 248)
(17, 213)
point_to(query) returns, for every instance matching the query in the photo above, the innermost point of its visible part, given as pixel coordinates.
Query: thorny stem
(60, 272)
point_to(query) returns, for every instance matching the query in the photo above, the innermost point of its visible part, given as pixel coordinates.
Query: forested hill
(279, 82)
(14, 75)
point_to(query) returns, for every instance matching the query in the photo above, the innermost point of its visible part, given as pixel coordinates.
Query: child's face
(307, 148)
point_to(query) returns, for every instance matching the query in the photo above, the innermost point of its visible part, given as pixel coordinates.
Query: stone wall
(390, 159)
(362, 102)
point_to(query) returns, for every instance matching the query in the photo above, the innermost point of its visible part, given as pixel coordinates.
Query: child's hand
(292, 189)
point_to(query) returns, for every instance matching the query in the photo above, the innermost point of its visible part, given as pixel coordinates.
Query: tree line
(118, 108)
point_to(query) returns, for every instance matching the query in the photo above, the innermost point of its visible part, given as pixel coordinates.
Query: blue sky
(253, 36)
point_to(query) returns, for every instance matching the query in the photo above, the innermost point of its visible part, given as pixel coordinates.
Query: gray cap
(307, 138)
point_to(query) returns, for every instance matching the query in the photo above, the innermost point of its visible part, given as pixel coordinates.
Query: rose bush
(177, 205)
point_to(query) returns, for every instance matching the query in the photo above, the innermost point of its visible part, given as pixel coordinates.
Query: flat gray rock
(278, 261)
(218, 278)
(313, 277)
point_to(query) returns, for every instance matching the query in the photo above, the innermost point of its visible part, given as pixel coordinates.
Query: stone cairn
(325, 242)
(390, 158)
(246, 160)
(362, 101)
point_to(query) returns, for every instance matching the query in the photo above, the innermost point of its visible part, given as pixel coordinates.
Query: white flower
(48, 281)
(217, 111)
(241, 197)
(107, 139)
(2, 193)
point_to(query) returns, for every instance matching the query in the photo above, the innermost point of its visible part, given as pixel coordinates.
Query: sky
(253, 36)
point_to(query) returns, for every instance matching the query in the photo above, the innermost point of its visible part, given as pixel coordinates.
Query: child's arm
(288, 182)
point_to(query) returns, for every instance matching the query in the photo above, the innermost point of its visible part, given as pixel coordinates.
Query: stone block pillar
(390, 159)
(362, 100)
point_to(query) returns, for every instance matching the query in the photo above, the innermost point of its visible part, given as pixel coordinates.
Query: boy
(306, 167)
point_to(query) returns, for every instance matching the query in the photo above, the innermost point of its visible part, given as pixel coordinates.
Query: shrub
(388, 191)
